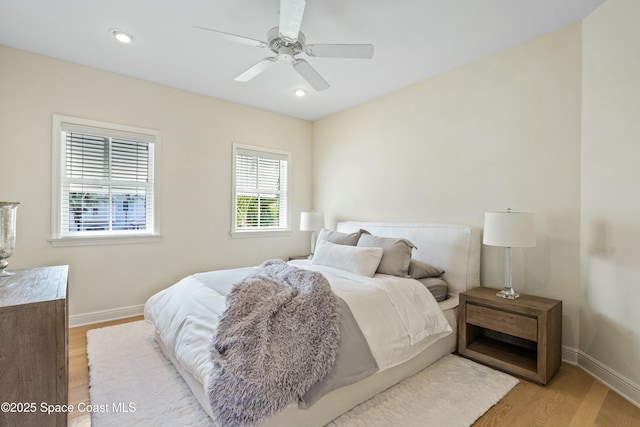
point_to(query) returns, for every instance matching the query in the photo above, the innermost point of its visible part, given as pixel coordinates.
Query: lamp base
(508, 293)
(3, 265)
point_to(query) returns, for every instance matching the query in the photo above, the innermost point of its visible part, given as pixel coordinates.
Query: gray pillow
(396, 255)
(421, 269)
(437, 286)
(349, 239)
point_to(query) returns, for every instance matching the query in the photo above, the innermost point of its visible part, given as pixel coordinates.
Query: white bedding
(399, 317)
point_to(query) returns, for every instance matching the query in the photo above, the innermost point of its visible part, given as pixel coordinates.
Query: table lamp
(312, 221)
(509, 230)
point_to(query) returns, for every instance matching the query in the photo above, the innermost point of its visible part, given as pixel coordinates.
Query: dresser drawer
(502, 321)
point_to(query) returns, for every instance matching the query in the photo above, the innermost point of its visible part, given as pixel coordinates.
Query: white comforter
(399, 317)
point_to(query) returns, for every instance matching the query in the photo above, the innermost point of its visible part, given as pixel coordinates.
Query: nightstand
(291, 258)
(522, 337)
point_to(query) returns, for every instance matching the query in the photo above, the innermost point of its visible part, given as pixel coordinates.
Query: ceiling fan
(287, 42)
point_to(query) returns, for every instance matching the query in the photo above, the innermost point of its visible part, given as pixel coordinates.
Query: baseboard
(105, 315)
(569, 355)
(612, 379)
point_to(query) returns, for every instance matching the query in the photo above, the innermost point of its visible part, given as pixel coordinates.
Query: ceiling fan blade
(234, 38)
(364, 51)
(291, 12)
(256, 69)
(310, 74)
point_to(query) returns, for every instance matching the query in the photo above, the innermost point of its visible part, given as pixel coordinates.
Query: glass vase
(7, 234)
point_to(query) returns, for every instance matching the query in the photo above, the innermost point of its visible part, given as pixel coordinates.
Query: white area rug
(133, 384)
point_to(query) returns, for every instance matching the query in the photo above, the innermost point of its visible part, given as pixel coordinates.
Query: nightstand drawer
(502, 321)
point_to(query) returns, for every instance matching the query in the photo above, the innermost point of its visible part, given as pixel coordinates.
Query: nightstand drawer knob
(500, 321)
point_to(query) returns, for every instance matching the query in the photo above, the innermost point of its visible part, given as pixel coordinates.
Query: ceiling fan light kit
(287, 42)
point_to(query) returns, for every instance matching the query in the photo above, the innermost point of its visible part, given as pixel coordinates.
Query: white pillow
(363, 261)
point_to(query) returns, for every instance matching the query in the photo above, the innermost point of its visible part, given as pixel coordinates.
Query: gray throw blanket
(277, 337)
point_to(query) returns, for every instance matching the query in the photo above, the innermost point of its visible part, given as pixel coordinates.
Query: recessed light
(300, 93)
(121, 36)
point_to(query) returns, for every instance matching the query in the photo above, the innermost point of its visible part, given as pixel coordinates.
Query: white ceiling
(413, 40)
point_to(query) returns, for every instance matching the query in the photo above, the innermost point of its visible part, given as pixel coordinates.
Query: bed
(452, 248)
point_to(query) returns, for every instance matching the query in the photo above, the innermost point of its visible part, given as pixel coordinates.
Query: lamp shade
(509, 229)
(311, 221)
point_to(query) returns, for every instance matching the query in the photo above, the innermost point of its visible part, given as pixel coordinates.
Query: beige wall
(197, 133)
(501, 132)
(610, 316)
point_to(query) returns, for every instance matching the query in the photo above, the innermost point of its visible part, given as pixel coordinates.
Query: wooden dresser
(33, 346)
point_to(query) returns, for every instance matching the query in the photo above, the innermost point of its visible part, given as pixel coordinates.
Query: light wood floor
(572, 398)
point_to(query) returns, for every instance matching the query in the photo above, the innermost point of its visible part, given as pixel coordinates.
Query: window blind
(260, 189)
(107, 182)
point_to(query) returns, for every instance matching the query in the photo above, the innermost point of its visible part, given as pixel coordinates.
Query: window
(260, 190)
(104, 182)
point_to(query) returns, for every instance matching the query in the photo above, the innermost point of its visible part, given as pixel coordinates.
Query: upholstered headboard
(453, 248)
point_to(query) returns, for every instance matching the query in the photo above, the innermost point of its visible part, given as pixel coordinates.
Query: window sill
(260, 233)
(104, 240)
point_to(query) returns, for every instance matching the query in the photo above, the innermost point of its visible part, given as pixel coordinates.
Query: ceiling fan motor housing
(283, 48)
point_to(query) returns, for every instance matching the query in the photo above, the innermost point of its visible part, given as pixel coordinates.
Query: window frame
(266, 231)
(58, 237)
